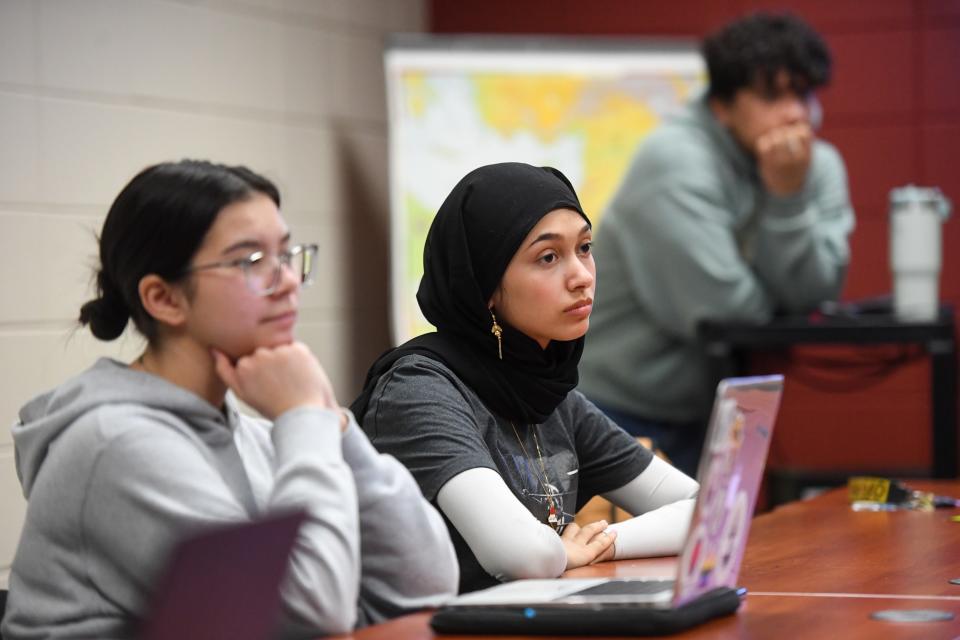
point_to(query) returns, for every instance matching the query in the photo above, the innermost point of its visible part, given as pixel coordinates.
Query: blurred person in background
(732, 211)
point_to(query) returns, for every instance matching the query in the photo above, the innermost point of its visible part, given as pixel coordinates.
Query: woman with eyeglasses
(124, 459)
(485, 411)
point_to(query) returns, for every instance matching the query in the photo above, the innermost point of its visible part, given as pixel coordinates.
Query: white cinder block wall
(92, 91)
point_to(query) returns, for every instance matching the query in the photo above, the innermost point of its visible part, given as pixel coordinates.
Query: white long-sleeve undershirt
(510, 543)
(663, 496)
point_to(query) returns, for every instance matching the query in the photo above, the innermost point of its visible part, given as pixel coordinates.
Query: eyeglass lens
(263, 274)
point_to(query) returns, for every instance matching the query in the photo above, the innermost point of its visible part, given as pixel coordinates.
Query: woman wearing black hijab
(485, 412)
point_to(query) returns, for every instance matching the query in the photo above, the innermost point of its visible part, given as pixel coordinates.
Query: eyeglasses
(262, 270)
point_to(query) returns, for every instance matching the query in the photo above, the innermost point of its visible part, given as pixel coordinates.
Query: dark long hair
(155, 226)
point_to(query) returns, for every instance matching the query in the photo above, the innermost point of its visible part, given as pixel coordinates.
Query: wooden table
(814, 569)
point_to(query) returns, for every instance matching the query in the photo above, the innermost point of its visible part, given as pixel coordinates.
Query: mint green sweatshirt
(692, 235)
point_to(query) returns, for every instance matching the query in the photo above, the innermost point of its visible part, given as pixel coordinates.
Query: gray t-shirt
(424, 415)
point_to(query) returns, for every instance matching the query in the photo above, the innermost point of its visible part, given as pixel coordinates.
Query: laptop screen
(731, 469)
(224, 582)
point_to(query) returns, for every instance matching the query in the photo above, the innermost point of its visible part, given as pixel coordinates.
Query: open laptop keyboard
(627, 587)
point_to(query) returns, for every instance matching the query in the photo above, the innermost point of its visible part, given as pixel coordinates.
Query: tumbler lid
(929, 197)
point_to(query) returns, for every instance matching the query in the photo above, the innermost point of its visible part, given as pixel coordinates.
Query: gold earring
(497, 330)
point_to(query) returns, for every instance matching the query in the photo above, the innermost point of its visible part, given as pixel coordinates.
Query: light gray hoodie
(118, 464)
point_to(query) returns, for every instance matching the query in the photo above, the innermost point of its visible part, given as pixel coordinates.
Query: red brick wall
(893, 110)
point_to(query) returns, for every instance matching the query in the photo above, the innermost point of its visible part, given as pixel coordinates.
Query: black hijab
(475, 234)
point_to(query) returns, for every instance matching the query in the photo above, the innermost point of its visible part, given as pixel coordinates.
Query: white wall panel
(45, 266)
(186, 53)
(370, 15)
(18, 55)
(21, 172)
(37, 360)
(358, 83)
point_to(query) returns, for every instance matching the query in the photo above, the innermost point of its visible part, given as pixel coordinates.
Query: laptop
(224, 582)
(730, 472)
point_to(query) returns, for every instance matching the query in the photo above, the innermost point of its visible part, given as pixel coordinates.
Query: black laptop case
(610, 620)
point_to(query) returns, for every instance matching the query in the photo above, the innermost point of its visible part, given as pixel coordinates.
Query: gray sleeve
(801, 251)
(152, 485)
(408, 560)
(420, 415)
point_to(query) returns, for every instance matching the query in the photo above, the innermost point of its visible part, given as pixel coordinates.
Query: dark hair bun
(107, 315)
